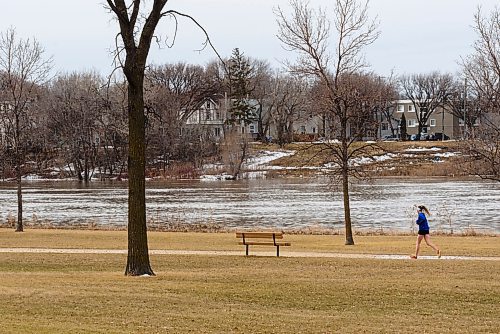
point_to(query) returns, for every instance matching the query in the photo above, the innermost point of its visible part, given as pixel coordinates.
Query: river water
(290, 204)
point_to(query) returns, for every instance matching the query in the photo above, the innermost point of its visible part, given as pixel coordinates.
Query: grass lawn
(88, 293)
(451, 245)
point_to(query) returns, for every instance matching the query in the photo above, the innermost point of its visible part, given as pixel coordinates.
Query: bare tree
(24, 68)
(484, 149)
(234, 151)
(386, 95)
(74, 110)
(173, 93)
(307, 32)
(482, 72)
(427, 93)
(137, 32)
(290, 101)
(482, 67)
(137, 48)
(261, 91)
(464, 106)
(112, 124)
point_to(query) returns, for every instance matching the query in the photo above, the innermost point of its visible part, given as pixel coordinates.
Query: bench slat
(263, 243)
(277, 235)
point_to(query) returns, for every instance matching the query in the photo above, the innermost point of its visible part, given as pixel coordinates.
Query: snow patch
(447, 154)
(265, 157)
(422, 149)
(218, 177)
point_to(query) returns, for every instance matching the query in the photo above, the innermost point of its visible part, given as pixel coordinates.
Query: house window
(385, 126)
(410, 108)
(303, 129)
(208, 104)
(401, 108)
(313, 130)
(252, 128)
(207, 115)
(217, 132)
(412, 123)
(432, 122)
(217, 114)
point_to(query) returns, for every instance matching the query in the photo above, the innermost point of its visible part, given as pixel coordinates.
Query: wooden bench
(262, 239)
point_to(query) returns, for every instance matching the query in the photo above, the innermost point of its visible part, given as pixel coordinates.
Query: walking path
(240, 253)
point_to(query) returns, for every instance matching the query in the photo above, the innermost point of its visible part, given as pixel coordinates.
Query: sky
(417, 36)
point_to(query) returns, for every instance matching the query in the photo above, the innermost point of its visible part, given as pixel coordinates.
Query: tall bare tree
(290, 99)
(386, 95)
(261, 91)
(173, 93)
(482, 67)
(484, 149)
(307, 32)
(137, 44)
(75, 106)
(427, 93)
(138, 21)
(23, 68)
(482, 71)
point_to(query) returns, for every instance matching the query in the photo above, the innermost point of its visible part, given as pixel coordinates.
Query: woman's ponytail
(424, 209)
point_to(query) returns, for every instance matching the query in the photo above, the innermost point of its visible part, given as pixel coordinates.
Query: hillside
(414, 159)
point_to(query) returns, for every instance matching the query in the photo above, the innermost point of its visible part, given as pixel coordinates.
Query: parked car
(424, 136)
(439, 136)
(390, 138)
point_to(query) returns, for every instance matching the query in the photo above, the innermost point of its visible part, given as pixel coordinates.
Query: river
(291, 204)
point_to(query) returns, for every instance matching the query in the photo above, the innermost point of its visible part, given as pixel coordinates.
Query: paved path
(240, 253)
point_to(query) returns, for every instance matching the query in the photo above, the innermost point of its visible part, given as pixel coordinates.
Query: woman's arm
(420, 219)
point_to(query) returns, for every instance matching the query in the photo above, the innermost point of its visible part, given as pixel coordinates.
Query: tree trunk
(349, 239)
(138, 255)
(420, 127)
(19, 224)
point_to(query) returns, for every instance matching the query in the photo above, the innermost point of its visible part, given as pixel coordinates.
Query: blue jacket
(422, 223)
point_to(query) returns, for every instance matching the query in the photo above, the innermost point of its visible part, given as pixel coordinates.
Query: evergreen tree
(240, 74)
(402, 126)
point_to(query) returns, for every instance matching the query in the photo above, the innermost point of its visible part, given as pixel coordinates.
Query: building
(440, 122)
(212, 116)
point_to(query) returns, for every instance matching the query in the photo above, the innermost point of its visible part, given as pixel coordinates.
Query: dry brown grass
(88, 293)
(376, 244)
(54, 293)
(417, 165)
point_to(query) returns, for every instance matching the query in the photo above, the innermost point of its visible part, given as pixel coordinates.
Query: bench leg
(277, 251)
(246, 250)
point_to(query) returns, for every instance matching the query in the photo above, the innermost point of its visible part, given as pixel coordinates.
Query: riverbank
(388, 159)
(301, 159)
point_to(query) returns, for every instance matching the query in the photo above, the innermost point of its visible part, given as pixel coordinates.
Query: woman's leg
(430, 244)
(417, 246)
